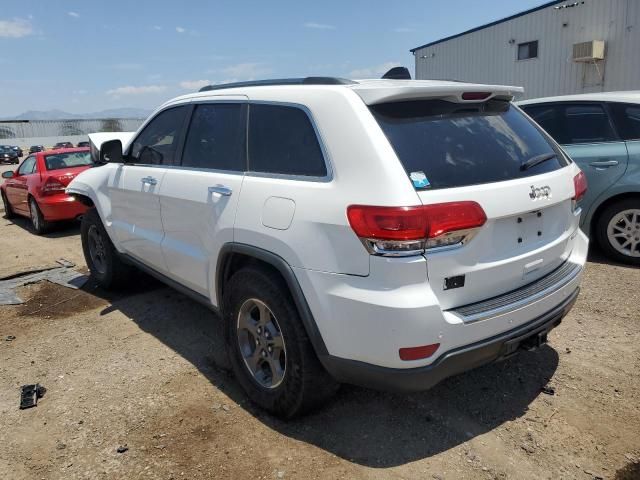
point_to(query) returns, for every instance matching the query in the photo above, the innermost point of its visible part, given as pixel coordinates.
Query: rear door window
(282, 140)
(573, 123)
(588, 123)
(444, 144)
(217, 137)
(627, 120)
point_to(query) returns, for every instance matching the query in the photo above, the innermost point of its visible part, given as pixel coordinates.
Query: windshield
(67, 160)
(5, 150)
(444, 144)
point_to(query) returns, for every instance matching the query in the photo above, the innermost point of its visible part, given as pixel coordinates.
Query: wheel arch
(234, 256)
(83, 199)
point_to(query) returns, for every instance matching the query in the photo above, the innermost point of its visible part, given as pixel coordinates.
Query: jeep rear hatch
(485, 153)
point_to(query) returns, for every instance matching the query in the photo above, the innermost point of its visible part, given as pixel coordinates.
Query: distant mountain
(61, 115)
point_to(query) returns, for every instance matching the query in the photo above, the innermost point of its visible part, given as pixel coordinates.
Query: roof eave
(487, 25)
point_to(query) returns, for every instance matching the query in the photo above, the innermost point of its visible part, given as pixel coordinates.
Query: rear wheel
(8, 211)
(268, 347)
(38, 223)
(618, 231)
(104, 262)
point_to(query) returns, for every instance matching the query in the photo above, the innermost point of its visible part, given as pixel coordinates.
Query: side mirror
(7, 174)
(111, 152)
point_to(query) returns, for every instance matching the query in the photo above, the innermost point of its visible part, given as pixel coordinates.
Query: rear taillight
(579, 186)
(403, 231)
(52, 186)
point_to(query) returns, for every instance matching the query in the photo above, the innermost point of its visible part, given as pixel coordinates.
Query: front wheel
(618, 231)
(106, 267)
(8, 211)
(268, 347)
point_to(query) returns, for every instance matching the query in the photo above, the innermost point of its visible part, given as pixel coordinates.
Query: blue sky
(84, 56)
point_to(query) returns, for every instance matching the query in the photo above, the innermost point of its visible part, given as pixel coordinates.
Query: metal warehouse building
(557, 48)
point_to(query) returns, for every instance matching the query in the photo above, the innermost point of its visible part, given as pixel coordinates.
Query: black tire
(602, 224)
(107, 269)
(38, 224)
(8, 211)
(305, 385)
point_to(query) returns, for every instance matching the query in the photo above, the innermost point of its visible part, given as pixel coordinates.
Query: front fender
(94, 184)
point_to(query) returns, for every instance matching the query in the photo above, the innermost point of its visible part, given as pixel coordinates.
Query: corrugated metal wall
(490, 55)
(66, 128)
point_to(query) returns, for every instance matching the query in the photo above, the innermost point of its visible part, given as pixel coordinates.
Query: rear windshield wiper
(537, 160)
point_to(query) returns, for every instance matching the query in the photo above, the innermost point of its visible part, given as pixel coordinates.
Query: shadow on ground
(631, 471)
(596, 255)
(56, 229)
(366, 427)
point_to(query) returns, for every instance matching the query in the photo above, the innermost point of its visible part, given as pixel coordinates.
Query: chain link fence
(49, 132)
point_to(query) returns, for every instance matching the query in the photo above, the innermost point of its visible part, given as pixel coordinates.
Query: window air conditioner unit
(588, 51)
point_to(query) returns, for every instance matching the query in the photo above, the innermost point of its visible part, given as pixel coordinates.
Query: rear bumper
(449, 363)
(60, 207)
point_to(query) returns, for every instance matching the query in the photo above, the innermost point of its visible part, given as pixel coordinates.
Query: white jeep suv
(386, 233)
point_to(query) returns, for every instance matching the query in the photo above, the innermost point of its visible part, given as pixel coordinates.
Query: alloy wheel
(35, 218)
(97, 249)
(261, 343)
(623, 232)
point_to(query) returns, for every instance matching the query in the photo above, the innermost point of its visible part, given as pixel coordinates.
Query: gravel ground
(141, 370)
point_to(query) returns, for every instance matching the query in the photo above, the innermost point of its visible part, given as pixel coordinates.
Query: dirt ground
(143, 370)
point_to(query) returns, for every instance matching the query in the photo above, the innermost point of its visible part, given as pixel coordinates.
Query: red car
(36, 188)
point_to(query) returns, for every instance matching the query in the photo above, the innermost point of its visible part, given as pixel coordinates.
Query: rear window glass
(282, 140)
(67, 160)
(444, 144)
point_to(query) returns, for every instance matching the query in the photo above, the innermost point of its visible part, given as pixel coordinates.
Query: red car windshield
(67, 160)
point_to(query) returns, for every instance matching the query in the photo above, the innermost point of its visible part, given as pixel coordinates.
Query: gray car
(601, 133)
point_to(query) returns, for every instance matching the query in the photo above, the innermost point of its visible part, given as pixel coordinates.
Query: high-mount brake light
(404, 231)
(476, 95)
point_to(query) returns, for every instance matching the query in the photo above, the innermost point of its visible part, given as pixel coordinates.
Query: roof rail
(281, 81)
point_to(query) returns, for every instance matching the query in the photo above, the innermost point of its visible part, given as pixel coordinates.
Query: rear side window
(67, 160)
(443, 144)
(216, 137)
(588, 124)
(573, 123)
(158, 142)
(627, 120)
(282, 140)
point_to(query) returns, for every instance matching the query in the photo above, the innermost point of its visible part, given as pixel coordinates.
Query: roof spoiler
(398, 73)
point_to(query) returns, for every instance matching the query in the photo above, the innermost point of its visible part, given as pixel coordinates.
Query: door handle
(604, 163)
(221, 190)
(149, 180)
